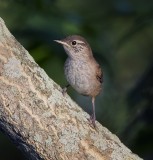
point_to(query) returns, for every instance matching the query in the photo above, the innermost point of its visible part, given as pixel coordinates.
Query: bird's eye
(73, 43)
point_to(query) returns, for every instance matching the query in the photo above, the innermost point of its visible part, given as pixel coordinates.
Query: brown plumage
(82, 71)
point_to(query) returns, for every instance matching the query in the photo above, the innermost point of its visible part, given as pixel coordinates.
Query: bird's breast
(80, 75)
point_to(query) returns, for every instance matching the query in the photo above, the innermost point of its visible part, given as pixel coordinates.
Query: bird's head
(76, 47)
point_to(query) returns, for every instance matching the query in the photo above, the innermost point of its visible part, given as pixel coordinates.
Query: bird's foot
(92, 121)
(64, 91)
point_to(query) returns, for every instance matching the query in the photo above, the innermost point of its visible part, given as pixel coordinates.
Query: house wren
(82, 71)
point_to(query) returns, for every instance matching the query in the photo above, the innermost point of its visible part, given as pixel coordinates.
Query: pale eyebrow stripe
(78, 41)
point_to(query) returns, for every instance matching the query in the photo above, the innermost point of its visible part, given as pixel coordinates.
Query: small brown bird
(82, 71)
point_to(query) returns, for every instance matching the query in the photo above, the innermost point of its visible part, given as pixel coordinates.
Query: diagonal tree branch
(39, 120)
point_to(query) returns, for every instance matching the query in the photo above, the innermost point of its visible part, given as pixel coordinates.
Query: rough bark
(40, 120)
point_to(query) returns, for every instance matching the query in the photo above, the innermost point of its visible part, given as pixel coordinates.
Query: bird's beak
(61, 42)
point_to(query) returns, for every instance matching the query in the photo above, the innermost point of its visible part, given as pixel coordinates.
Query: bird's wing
(99, 74)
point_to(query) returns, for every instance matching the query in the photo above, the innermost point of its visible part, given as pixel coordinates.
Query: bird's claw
(64, 91)
(92, 121)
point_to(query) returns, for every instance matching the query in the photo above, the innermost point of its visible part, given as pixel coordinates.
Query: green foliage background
(120, 33)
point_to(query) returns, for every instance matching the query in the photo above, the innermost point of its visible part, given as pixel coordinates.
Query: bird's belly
(78, 80)
(79, 77)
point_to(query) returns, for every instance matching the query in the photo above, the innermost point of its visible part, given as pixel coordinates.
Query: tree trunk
(40, 120)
